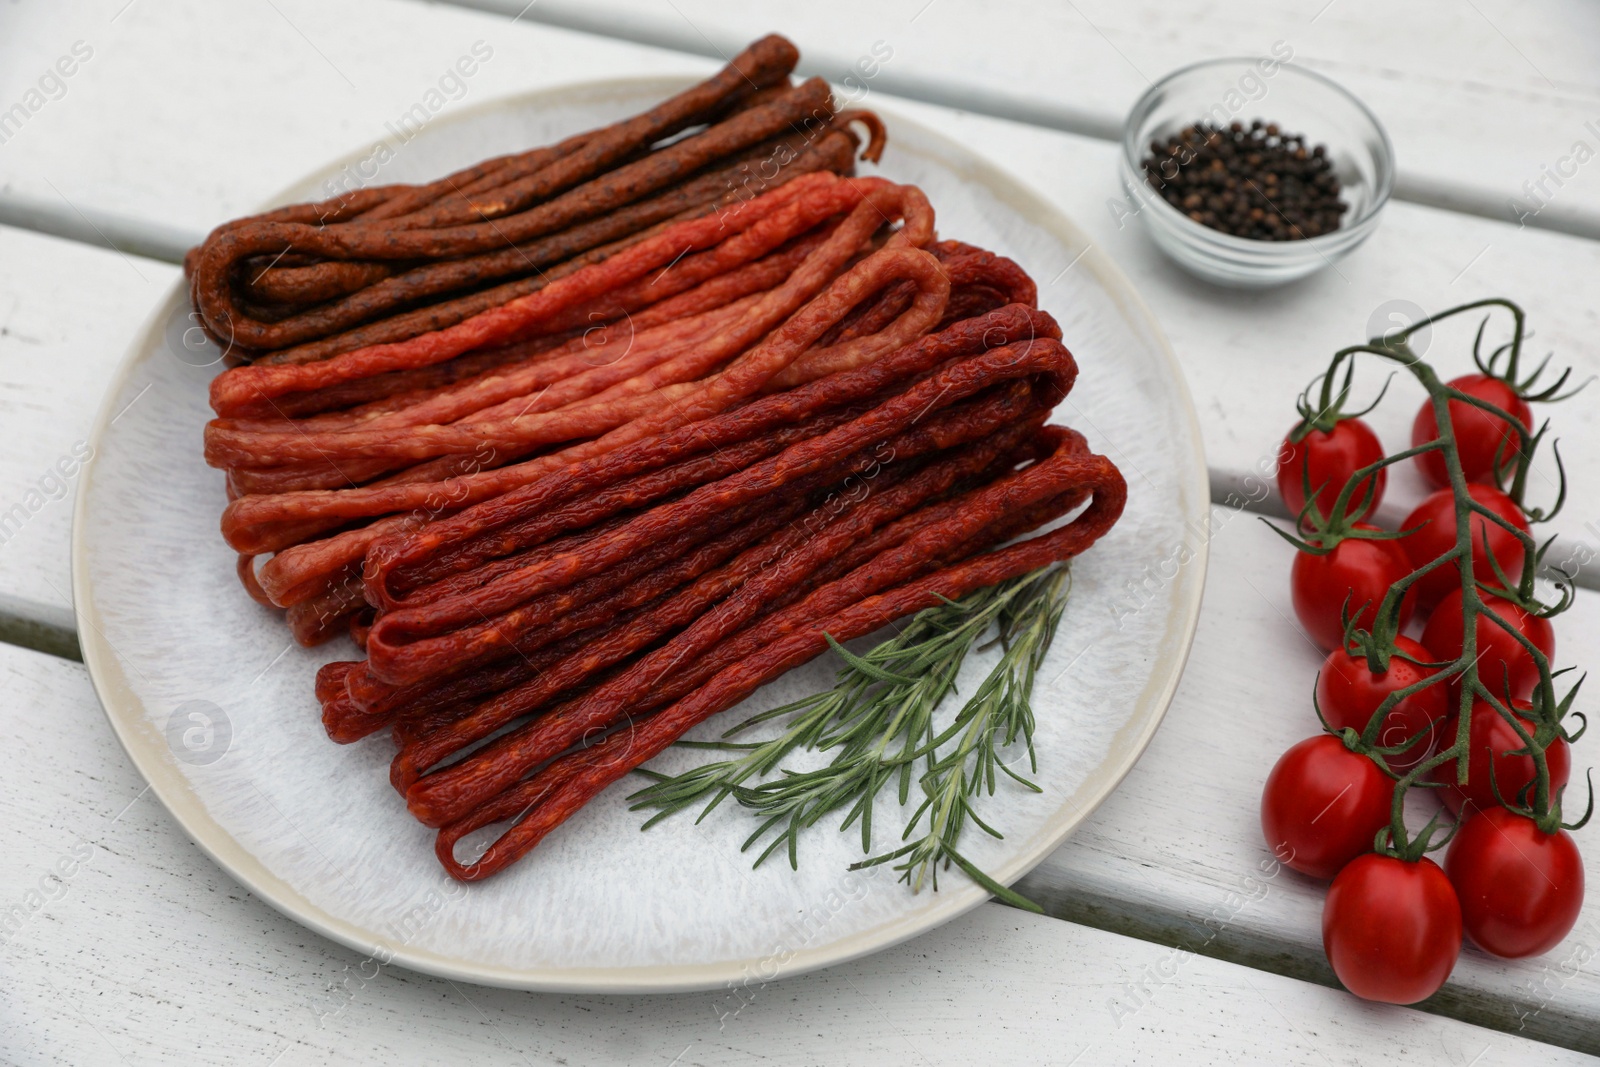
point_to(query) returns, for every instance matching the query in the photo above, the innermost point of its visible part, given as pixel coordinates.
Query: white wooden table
(1165, 943)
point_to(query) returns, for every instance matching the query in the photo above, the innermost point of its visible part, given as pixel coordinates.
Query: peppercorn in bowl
(1252, 172)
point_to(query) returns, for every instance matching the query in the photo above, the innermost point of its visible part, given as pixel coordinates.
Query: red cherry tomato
(1323, 805)
(1391, 929)
(1520, 889)
(1328, 459)
(1358, 569)
(1432, 533)
(1348, 693)
(1478, 433)
(1501, 658)
(1488, 741)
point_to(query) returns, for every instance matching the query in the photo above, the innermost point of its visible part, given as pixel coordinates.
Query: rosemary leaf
(878, 724)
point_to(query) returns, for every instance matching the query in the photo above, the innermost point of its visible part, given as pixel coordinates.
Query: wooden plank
(122, 943)
(1479, 102)
(67, 313)
(1478, 99)
(1176, 854)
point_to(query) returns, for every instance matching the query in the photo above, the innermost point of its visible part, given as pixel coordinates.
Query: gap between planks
(39, 636)
(1551, 1025)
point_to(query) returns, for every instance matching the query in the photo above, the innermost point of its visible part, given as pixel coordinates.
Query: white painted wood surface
(137, 950)
(159, 957)
(1479, 97)
(67, 312)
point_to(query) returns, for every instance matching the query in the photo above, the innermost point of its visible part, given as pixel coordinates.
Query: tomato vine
(1548, 708)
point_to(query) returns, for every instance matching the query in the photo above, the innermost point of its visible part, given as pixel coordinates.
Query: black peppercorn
(1256, 181)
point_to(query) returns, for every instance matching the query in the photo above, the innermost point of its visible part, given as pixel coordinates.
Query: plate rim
(135, 732)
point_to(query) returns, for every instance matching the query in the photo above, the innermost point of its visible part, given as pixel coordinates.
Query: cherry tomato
(1323, 805)
(1328, 459)
(1520, 889)
(1432, 533)
(1488, 741)
(1501, 658)
(1478, 433)
(1358, 569)
(1391, 929)
(1348, 693)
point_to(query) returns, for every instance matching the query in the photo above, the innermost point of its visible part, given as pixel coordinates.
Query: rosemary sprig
(878, 721)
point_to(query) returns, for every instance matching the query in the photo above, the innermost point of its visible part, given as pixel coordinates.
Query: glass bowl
(1221, 91)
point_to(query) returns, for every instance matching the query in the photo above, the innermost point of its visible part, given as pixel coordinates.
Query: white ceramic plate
(214, 702)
